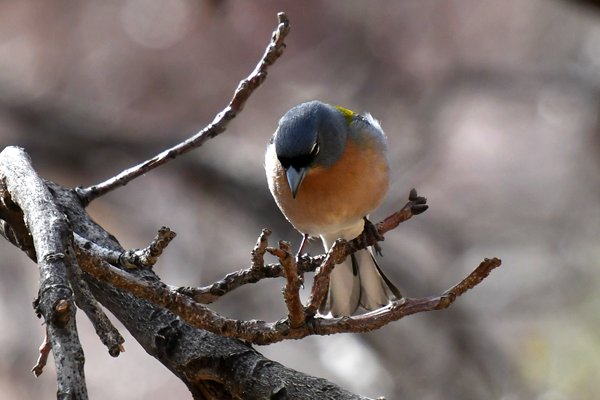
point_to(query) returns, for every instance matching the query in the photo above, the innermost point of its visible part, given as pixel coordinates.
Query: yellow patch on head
(348, 114)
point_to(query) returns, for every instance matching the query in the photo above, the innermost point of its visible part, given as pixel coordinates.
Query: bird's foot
(371, 236)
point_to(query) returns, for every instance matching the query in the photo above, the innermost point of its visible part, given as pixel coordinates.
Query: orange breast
(331, 199)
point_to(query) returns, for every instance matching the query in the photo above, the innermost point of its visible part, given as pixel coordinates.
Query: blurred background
(491, 113)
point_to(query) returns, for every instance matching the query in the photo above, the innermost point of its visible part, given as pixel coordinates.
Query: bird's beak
(295, 178)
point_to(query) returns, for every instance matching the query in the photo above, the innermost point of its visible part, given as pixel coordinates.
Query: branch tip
(219, 124)
(148, 256)
(258, 252)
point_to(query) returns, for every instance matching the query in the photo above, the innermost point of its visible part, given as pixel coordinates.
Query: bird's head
(309, 135)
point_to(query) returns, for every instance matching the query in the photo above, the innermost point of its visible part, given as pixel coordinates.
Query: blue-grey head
(310, 134)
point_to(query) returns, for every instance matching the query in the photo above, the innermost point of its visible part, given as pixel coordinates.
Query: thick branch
(12, 226)
(51, 236)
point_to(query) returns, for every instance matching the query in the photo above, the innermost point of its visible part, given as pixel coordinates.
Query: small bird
(327, 169)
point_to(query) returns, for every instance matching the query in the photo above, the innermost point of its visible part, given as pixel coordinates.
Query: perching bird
(327, 169)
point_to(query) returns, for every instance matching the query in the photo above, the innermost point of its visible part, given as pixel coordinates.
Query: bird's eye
(302, 160)
(315, 150)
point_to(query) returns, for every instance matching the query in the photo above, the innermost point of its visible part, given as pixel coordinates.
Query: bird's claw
(371, 236)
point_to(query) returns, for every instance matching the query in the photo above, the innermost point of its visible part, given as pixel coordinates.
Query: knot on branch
(50, 257)
(62, 312)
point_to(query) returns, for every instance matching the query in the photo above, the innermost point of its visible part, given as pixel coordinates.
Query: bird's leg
(302, 245)
(299, 255)
(370, 234)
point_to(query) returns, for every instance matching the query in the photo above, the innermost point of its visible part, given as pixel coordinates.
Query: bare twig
(335, 255)
(244, 90)
(109, 255)
(44, 351)
(148, 256)
(416, 205)
(106, 331)
(406, 306)
(257, 271)
(155, 292)
(136, 258)
(232, 281)
(258, 253)
(291, 291)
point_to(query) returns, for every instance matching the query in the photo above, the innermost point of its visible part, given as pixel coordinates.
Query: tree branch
(259, 270)
(295, 326)
(244, 90)
(335, 255)
(207, 363)
(106, 331)
(291, 291)
(136, 258)
(213, 367)
(13, 224)
(51, 239)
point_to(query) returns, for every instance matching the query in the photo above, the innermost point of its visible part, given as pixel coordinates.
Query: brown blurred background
(491, 112)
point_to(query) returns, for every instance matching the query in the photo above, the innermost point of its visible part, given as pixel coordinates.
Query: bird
(327, 169)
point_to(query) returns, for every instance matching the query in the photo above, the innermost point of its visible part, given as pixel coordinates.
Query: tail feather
(376, 289)
(393, 291)
(344, 289)
(359, 281)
